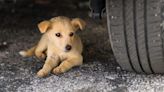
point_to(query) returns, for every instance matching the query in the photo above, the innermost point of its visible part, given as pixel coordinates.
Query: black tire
(136, 34)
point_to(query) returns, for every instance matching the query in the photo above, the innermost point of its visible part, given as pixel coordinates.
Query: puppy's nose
(68, 47)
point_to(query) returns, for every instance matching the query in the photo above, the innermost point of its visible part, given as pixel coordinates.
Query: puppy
(59, 44)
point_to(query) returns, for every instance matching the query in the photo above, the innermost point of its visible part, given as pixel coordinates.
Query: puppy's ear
(78, 23)
(43, 26)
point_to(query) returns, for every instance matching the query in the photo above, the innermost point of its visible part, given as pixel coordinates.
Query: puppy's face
(62, 31)
(63, 35)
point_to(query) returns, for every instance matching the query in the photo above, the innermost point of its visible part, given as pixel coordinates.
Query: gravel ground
(99, 73)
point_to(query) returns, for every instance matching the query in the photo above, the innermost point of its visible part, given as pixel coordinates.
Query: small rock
(4, 43)
(6, 52)
(2, 77)
(2, 64)
(110, 77)
(118, 68)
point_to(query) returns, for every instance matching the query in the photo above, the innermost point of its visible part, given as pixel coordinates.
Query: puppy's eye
(71, 34)
(58, 34)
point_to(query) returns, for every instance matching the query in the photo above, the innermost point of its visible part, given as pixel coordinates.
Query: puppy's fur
(59, 44)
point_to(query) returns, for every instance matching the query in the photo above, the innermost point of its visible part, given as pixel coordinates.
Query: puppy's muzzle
(68, 47)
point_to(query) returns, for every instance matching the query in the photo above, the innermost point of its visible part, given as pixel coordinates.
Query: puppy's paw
(23, 53)
(41, 56)
(58, 70)
(42, 73)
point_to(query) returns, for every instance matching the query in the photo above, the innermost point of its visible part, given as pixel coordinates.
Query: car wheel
(136, 33)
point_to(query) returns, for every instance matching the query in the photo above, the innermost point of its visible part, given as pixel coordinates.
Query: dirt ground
(19, 30)
(99, 73)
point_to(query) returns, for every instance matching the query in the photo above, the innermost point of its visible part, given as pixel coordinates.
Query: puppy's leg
(28, 52)
(50, 63)
(68, 64)
(41, 48)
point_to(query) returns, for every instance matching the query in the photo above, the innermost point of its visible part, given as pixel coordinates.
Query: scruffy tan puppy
(62, 45)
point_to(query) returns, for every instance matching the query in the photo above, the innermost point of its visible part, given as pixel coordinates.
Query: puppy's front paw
(41, 56)
(58, 70)
(42, 73)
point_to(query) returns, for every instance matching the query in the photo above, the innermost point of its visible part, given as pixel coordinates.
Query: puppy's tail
(28, 53)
